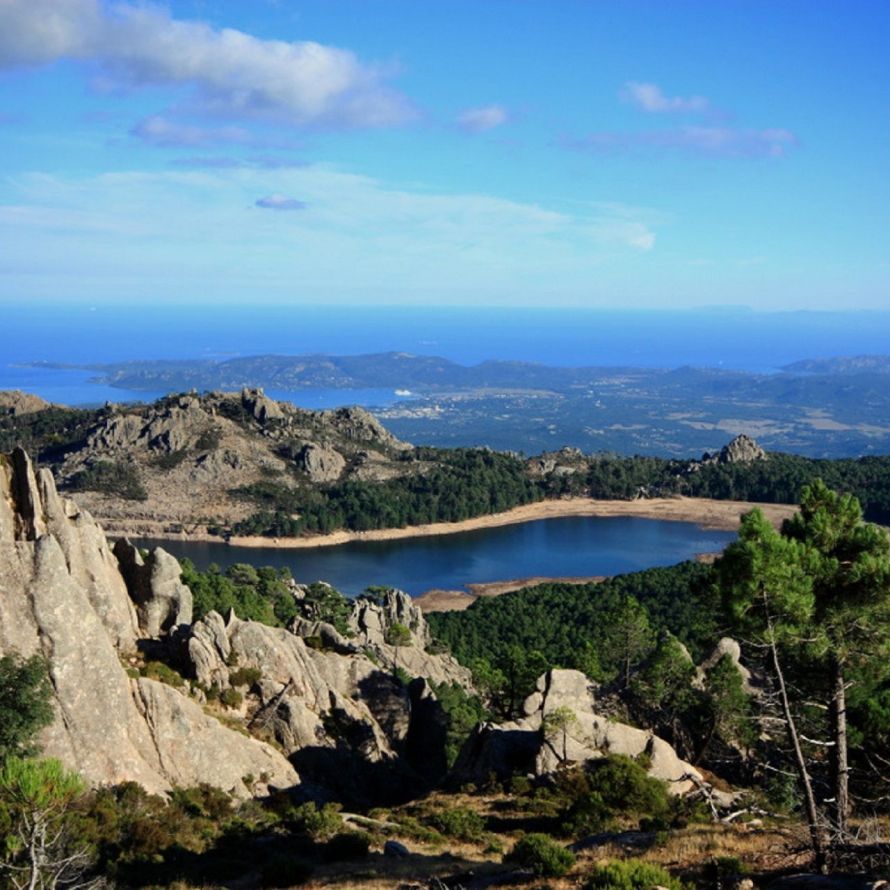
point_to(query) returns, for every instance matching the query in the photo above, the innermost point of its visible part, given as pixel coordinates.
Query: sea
(732, 338)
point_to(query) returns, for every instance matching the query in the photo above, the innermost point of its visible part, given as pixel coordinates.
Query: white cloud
(478, 120)
(231, 72)
(280, 202)
(649, 97)
(722, 142)
(197, 228)
(160, 131)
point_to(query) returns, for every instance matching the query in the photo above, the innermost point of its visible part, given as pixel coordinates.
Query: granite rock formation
(189, 452)
(559, 726)
(62, 597)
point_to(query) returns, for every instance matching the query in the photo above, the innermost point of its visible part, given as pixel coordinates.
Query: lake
(567, 547)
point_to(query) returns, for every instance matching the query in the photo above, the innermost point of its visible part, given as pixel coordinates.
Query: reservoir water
(568, 547)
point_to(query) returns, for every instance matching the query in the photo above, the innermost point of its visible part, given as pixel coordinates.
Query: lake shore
(720, 515)
(438, 600)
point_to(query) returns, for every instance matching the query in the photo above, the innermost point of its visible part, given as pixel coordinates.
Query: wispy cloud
(225, 162)
(720, 142)
(161, 131)
(229, 72)
(204, 228)
(478, 120)
(280, 202)
(650, 97)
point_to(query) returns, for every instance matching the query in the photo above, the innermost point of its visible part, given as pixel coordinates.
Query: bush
(163, 673)
(246, 676)
(209, 440)
(320, 823)
(592, 798)
(231, 698)
(460, 823)
(172, 460)
(285, 871)
(347, 845)
(543, 855)
(723, 871)
(631, 875)
(626, 787)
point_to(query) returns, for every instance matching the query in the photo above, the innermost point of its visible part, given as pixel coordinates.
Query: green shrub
(348, 845)
(320, 823)
(723, 871)
(587, 815)
(231, 698)
(246, 676)
(282, 870)
(163, 673)
(460, 823)
(626, 787)
(631, 875)
(172, 460)
(543, 855)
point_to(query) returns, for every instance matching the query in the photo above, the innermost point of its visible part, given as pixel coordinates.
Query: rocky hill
(174, 464)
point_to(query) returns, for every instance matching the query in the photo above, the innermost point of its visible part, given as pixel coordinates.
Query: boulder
(320, 463)
(560, 725)
(741, 450)
(260, 405)
(371, 620)
(725, 647)
(154, 584)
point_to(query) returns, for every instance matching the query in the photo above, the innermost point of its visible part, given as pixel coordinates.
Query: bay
(574, 546)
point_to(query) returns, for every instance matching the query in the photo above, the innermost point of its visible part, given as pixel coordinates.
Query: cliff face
(63, 597)
(331, 703)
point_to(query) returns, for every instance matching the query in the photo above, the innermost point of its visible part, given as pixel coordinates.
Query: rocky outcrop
(63, 598)
(186, 454)
(260, 405)
(193, 747)
(730, 648)
(371, 622)
(155, 586)
(741, 450)
(564, 462)
(358, 425)
(320, 463)
(16, 402)
(560, 725)
(300, 687)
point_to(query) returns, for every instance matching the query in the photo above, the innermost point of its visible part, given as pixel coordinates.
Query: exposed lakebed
(577, 546)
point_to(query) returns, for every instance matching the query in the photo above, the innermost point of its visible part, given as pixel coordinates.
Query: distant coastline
(721, 515)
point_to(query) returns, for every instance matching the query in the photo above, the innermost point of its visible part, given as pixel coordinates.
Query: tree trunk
(840, 763)
(817, 837)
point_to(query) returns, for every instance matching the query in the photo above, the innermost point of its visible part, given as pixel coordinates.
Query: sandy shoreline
(723, 515)
(439, 600)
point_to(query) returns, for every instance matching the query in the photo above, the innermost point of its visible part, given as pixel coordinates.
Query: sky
(578, 153)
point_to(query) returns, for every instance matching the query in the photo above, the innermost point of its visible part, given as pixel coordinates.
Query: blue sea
(723, 338)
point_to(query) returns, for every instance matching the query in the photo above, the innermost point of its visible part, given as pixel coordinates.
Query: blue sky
(561, 153)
